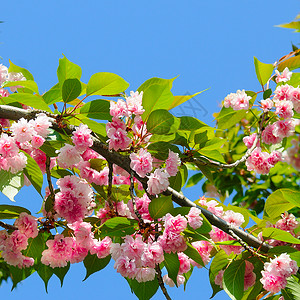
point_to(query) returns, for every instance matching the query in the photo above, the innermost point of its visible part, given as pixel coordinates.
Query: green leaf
(292, 25)
(213, 154)
(279, 235)
(156, 95)
(263, 71)
(34, 173)
(17, 274)
(29, 84)
(267, 93)
(36, 246)
(66, 69)
(105, 83)
(191, 124)
(71, 89)
(292, 289)
(94, 264)
(192, 253)
(143, 290)
(229, 117)
(205, 227)
(160, 121)
(61, 273)
(280, 201)
(53, 95)
(45, 272)
(34, 101)
(181, 99)
(290, 63)
(233, 279)
(220, 260)
(160, 206)
(10, 184)
(12, 211)
(97, 109)
(194, 179)
(17, 69)
(161, 149)
(118, 226)
(172, 265)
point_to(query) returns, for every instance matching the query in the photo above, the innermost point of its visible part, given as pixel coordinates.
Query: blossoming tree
(114, 169)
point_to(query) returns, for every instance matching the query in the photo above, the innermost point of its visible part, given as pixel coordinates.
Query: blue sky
(210, 44)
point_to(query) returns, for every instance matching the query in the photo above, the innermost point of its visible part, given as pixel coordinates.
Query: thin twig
(161, 282)
(131, 189)
(109, 187)
(7, 226)
(51, 189)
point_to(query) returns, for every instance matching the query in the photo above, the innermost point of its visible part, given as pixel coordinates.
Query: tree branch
(7, 226)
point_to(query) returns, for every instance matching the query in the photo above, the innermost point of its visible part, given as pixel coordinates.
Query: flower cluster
(27, 136)
(75, 199)
(277, 271)
(239, 100)
(12, 244)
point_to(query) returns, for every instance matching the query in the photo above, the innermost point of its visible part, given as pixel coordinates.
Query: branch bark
(123, 161)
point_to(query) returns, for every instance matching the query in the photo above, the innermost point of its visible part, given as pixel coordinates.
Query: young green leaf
(12, 211)
(94, 264)
(97, 109)
(118, 226)
(17, 69)
(233, 279)
(172, 265)
(263, 71)
(143, 290)
(66, 69)
(10, 184)
(71, 89)
(158, 207)
(105, 83)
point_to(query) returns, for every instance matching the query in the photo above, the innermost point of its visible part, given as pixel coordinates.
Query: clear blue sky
(208, 43)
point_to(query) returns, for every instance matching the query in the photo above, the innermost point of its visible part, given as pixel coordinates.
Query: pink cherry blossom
(27, 225)
(3, 74)
(284, 76)
(68, 156)
(295, 98)
(233, 218)
(284, 109)
(8, 147)
(141, 162)
(101, 248)
(266, 104)
(204, 248)
(168, 281)
(59, 251)
(272, 283)
(184, 261)
(258, 162)
(268, 136)
(126, 267)
(194, 218)
(172, 163)
(287, 222)
(82, 138)
(118, 139)
(41, 125)
(133, 248)
(249, 140)
(37, 141)
(134, 103)
(83, 234)
(212, 206)
(283, 92)
(22, 130)
(175, 224)
(284, 128)
(172, 242)
(145, 274)
(3, 92)
(158, 182)
(118, 109)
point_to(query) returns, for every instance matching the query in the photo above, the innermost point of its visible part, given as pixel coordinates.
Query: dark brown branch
(161, 282)
(51, 189)
(122, 161)
(7, 226)
(109, 187)
(131, 189)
